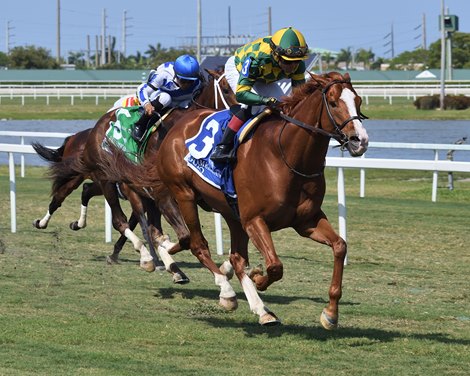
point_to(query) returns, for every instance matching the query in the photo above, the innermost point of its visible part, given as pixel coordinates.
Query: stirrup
(220, 155)
(135, 135)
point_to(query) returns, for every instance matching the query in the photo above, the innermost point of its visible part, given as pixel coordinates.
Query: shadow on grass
(189, 293)
(253, 329)
(183, 265)
(122, 260)
(317, 333)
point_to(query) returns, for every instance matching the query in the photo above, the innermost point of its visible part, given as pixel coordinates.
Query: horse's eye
(333, 103)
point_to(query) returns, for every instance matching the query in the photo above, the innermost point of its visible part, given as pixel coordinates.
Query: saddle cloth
(119, 133)
(200, 148)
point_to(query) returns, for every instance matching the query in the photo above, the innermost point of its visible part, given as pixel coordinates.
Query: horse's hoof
(148, 266)
(37, 225)
(227, 269)
(269, 319)
(180, 278)
(327, 322)
(253, 272)
(112, 259)
(74, 226)
(229, 304)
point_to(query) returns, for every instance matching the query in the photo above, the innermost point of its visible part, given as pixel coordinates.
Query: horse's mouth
(356, 147)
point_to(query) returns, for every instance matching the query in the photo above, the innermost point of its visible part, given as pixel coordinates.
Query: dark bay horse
(64, 185)
(279, 182)
(214, 93)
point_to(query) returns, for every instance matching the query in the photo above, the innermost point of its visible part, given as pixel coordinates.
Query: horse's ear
(320, 80)
(212, 73)
(347, 77)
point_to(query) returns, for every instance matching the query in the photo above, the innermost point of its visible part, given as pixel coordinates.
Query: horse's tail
(48, 154)
(118, 168)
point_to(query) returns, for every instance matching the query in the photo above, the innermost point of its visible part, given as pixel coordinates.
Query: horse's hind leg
(321, 231)
(169, 208)
(89, 190)
(58, 197)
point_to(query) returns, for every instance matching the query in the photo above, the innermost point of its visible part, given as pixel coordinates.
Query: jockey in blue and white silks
(172, 84)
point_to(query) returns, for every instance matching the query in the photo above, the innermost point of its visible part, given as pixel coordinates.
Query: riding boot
(140, 127)
(145, 121)
(222, 152)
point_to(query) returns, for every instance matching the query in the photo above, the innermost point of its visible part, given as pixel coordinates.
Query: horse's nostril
(354, 139)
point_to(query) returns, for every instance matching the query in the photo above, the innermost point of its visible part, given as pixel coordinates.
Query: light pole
(443, 57)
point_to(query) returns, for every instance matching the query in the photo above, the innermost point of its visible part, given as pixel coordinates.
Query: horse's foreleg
(260, 235)
(58, 196)
(239, 260)
(89, 190)
(323, 232)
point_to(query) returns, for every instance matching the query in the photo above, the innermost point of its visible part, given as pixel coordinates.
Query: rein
(217, 93)
(338, 135)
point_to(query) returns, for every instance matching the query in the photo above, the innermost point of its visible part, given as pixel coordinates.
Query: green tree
(158, 55)
(345, 55)
(77, 58)
(365, 56)
(460, 52)
(3, 59)
(409, 59)
(31, 57)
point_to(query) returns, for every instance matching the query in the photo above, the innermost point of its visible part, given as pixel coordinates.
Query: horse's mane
(308, 88)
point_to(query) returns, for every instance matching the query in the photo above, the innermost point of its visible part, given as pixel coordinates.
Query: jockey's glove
(271, 102)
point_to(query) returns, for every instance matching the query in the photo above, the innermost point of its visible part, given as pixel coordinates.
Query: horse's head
(216, 92)
(341, 112)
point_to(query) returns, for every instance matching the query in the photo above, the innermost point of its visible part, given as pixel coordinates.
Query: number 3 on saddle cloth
(200, 148)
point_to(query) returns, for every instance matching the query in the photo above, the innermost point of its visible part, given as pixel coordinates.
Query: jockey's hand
(148, 109)
(271, 102)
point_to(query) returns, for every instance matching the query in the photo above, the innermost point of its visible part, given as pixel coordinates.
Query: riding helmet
(186, 67)
(289, 43)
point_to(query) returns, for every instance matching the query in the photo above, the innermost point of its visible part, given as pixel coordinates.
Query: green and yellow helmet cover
(290, 44)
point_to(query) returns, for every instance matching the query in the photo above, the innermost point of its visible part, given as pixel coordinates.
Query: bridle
(217, 93)
(338, 133)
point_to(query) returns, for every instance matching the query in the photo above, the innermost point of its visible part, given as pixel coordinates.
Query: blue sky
(331, 25)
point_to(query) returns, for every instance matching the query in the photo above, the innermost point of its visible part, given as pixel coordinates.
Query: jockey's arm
(245, 95)
(298, 78)
(146, 89)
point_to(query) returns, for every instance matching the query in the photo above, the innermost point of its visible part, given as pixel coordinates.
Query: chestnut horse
(215, 93)
(279, 182)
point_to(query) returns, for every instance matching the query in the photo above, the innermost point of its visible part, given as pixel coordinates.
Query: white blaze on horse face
(347, 96)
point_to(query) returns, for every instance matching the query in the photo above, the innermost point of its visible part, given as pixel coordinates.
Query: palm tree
(345, 55)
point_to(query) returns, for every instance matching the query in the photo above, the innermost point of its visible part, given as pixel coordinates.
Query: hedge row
(451, 102)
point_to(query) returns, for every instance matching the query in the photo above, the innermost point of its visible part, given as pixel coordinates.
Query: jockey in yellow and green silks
(252, 74)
